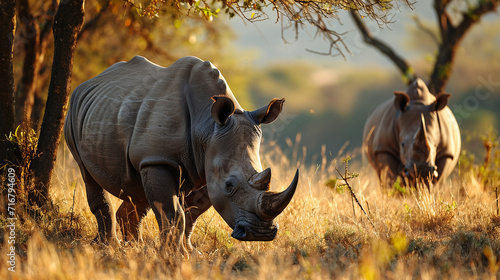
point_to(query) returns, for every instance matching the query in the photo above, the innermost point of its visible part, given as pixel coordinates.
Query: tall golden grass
(451, 231)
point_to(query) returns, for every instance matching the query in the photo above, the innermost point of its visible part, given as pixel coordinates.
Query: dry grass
(449, 232)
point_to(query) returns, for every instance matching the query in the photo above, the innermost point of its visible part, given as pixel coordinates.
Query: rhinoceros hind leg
(388, 168)
(129, 216)
(161, 184)
(101, 207)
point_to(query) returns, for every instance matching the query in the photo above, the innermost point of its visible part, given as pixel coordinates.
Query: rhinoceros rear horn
(271, 204)
(269, 113)
(261, 180)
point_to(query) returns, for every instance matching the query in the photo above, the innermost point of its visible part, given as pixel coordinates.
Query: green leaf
(177, 23)
(332, 183)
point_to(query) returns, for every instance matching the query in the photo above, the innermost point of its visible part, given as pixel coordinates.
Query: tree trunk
(34, 40)
(442, 67)
(7, 30)
(30, 37)
(67, 24)
(7, 113)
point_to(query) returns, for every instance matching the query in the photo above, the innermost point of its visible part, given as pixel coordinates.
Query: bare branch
(400, 62)
(426, 30)
(94, 22)
(49, 21)
(443, 18)
(472, 16)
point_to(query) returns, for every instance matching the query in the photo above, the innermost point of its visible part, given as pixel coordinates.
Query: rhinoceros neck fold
(204, 82)
(200, 135)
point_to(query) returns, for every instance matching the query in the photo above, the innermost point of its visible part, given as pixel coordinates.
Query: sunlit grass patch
(449, 231)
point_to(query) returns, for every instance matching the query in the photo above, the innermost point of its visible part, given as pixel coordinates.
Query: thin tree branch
(47, 25)
(443, 18)
(473, 16)
(400, 62)
(426, 30)
(93, 23)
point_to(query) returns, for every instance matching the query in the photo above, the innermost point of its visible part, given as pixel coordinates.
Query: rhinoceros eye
(230, 186)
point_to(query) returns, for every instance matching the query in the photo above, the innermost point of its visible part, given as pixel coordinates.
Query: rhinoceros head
(417, 129)
(237, 186)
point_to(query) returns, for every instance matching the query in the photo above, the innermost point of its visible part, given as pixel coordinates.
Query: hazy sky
(265, 37)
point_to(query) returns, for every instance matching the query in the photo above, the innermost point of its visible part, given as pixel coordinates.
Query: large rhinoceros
(175, 140)
(414, 135)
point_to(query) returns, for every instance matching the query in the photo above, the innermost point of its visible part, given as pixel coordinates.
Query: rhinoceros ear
(401, 100)
(441, 101)
(269, 113)
(222, 109)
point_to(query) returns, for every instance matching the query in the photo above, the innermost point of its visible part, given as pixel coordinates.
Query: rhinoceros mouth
(251, 228)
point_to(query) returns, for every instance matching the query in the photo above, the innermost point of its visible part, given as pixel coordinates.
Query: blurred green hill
(329, 106)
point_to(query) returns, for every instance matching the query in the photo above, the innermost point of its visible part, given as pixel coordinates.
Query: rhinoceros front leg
(161, 184)
(388, 168)
(196, 203)
(101, 207)
(444, 168)
(129, 216)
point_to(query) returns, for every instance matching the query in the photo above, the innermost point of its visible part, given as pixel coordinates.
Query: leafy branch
(316, 13)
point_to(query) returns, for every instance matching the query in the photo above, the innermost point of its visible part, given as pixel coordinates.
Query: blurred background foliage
(327, 103)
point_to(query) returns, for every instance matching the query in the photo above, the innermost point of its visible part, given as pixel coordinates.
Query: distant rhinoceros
(175, 140)
(414, 135)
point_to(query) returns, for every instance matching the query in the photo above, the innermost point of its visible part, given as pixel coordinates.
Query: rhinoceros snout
(431, 173)
(254, 230)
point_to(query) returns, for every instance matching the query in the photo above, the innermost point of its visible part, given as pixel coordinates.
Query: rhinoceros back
(135, 113)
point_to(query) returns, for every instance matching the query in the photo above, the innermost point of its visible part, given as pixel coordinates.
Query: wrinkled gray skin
(414, 135)
(175, 140)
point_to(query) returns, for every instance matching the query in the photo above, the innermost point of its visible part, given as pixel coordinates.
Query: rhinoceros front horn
(271, 204)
